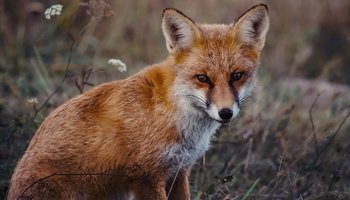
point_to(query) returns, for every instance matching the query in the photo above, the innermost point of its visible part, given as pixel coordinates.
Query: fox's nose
(225, 113)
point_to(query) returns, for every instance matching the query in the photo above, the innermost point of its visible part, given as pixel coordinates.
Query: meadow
(292, 141)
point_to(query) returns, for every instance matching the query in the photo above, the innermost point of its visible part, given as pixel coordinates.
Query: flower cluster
(33, 100)
(53, 10)
(118, 63)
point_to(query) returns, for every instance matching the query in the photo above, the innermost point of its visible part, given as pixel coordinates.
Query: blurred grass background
(290, 143)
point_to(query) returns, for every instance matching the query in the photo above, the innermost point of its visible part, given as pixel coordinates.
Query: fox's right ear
(180, 31)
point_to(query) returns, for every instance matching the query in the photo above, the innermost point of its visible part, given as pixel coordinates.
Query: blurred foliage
(269, 153)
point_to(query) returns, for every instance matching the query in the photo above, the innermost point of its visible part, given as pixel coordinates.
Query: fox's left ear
(252, 26)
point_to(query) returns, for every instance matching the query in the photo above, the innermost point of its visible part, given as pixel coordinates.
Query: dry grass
(290, 143)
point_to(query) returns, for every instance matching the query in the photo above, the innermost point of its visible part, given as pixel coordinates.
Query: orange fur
(140, 136)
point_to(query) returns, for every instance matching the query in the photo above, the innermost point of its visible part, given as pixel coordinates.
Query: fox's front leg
(150, 190)
(179, 188)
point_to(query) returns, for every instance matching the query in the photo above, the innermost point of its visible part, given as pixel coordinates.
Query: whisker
(246, 98)
(196, 99)
(202, 102)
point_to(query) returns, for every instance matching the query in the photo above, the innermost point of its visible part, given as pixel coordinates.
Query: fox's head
(215, 65)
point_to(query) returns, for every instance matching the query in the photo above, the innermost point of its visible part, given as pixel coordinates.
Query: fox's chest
(195, 140)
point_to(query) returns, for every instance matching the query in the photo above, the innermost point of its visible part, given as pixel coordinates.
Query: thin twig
(83, 81)
(246, 163)
(301, 197)
(65, 174)
(62, 81)
(278, 173)
(143, 175)
(66, 72)
(312, 123)
(335, 133)
(332, 137)
(268, 196)
(177, 173)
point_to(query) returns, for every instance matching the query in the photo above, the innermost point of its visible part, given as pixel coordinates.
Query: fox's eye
(236, 76)
(203, 78)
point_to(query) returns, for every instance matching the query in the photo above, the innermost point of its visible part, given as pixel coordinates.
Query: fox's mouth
(222, 121)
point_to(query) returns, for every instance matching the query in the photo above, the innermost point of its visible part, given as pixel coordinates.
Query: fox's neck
(160, 78)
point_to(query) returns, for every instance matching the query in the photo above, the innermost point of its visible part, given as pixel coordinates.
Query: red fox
(138, 137)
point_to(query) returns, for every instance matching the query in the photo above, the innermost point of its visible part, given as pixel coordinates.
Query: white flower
(33, 100)
(118, 63)
(53, 10)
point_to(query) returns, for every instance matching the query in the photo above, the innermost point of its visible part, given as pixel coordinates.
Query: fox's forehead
(215, 31)
(217, 37)
(218, 49)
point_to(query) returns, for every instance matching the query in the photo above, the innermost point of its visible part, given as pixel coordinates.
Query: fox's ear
(252, 26)
(180, 31)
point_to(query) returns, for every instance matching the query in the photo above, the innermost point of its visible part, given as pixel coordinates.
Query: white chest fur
(196, 129)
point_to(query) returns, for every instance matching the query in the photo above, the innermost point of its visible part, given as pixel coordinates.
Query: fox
(138, 138)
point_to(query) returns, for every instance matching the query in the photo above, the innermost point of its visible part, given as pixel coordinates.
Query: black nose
(225, 113)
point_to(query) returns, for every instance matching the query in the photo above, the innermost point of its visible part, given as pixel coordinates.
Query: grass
(247, 194)
(291, 141)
